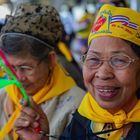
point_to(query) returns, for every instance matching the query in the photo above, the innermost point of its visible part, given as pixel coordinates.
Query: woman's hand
(31, 120)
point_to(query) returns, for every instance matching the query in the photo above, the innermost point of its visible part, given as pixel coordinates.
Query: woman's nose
(105, 71)
(21, 76)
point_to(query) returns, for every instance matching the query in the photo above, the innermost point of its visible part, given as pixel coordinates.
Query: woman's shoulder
(72, 97)
(75, 92)
(64, 105)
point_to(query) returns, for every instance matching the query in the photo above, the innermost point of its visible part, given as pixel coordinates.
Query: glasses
(116, 61)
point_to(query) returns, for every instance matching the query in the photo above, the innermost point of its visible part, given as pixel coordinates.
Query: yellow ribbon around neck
(91, 110)
(60, 82)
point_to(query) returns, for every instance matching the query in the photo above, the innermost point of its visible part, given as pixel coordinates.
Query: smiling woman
(111, 69)
(109, 82)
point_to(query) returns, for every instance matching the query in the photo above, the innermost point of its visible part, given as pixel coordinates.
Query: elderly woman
(111, 70)
(111, 108)
(28, 40)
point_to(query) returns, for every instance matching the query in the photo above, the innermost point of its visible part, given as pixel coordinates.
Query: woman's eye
(94, 61)
(119, 61)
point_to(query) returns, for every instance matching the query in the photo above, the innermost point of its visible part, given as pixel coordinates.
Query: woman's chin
(109, 106)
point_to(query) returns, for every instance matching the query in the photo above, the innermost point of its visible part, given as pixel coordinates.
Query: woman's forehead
(110, 39)
(106, 44)
(21, 58)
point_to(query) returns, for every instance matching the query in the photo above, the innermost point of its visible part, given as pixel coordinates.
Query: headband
(118, 22)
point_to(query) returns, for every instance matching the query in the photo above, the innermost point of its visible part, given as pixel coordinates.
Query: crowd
(97, 99)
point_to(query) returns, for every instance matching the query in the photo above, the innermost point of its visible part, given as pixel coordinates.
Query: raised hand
(32, 122)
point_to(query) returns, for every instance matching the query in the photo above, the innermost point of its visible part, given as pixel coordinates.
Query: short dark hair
(16, 45)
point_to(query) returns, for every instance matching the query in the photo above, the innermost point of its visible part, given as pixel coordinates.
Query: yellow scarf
(91, 110)
(60, 82)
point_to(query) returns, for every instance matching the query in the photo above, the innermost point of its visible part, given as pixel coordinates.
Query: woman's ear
(52, 57)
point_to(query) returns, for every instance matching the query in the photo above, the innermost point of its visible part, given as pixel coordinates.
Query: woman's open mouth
(107, 92)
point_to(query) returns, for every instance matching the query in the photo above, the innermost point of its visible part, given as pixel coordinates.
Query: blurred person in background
(82, 30)
(68, 21)
(66, 58)
(63, 48)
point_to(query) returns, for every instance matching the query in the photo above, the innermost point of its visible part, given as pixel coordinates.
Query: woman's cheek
(87, 75)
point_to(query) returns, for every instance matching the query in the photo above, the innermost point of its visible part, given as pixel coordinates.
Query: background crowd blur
(77, 17)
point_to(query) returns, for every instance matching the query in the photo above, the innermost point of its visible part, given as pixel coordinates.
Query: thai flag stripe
(119, 18)
(125, 20)
(132, 25)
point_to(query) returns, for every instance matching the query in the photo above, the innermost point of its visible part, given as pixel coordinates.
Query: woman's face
(31, 73)
(112, 88)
